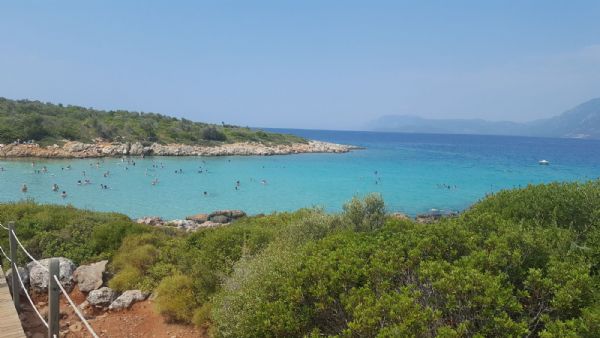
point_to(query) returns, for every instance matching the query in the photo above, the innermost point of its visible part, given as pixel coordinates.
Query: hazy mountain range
(582, 121)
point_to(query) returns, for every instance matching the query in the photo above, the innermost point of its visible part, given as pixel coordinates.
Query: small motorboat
(544, 162)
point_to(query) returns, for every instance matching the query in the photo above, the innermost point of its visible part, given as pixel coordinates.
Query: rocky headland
(73, 149)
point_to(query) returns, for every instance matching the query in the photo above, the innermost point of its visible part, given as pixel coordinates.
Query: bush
(367, 214)
(175, 298)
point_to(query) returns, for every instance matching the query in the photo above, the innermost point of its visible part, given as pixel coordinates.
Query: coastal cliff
(112, 149)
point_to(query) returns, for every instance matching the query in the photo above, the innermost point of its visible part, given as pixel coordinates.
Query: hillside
(48, 123)
(583, 121)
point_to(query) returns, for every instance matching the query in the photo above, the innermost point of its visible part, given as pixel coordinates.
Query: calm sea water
(411, 171)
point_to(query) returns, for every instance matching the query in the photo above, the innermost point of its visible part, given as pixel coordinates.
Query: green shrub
(175, 298)
(367, 214)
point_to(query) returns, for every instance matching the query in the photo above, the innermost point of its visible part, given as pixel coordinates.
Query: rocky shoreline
(73, 149)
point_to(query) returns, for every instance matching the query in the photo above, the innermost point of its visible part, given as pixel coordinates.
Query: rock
(127, 299)
(90, 277)
(182, 223)
(83, 306)
(198, 218)
(151, 220)
(232, 214)
(39, 277)
(24, 276)
(434, 216)
(76, 327)
(136, 149)
(400, 216)
(209, 224)
(220, 219)
(102, 297)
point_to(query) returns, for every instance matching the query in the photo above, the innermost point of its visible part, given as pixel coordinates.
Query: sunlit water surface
(411, 171)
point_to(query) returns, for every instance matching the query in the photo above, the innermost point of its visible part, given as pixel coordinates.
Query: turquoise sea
(413, 172)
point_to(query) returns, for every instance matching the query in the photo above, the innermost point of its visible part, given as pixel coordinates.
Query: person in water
(63, 194)
(24, 188)
(55, 187)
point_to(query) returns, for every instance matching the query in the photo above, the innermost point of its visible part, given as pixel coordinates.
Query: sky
(304, 64)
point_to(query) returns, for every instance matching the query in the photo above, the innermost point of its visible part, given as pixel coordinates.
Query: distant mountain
(582, 121)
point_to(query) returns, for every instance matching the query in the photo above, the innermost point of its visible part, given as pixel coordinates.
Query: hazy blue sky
(304, 64)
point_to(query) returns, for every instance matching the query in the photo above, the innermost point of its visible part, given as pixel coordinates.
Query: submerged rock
(90, 277)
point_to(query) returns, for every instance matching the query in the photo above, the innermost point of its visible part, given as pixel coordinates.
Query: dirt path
(139, 321)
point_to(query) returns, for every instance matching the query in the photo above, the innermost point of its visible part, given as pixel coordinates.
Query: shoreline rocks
(197, 221)
(74, 149)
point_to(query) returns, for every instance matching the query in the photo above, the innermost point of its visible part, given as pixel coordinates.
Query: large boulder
(39, 277)
(220, 219)
(231, 214)
(90, 277)
(102, 297)
(127, 299)
(136, 149)
(198, 218)
(24, 277)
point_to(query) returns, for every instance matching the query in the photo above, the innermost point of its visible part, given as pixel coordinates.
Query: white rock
(127, 299)
(90, 277)
(102, 297)
(39, 277)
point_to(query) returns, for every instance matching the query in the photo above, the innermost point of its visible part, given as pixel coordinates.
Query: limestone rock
(151, 220)
(39, 277)
(209, 224)
(90, 277)
(198, 218)
(220, 219)
(231, 214)
(127, 299)
(102, 297)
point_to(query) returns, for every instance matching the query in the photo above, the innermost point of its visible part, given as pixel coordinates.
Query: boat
(544, 162)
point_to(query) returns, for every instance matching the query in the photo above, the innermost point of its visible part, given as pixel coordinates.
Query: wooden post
(13, 265)
(53, 293)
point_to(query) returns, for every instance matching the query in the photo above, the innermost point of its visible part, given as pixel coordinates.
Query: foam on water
(414, 172)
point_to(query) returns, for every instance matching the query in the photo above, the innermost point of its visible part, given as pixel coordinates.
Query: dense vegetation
(48, 123)
(519, 263)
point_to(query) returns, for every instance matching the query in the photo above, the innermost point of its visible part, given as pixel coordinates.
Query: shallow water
(414, 172)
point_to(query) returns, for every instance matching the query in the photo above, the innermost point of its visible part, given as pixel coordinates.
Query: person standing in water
(63, 194)
(24, 188)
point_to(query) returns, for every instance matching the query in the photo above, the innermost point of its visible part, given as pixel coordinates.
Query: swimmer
(263, 181)
(63, 194)
(24, 187)
(205, 193)
(55, 187)
(79, 182)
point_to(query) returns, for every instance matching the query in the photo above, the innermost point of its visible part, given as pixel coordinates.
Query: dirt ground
(139, 321)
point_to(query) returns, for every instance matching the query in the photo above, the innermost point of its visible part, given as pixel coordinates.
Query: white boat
(543, 162)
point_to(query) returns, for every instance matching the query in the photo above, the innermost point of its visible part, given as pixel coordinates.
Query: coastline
(74, 149)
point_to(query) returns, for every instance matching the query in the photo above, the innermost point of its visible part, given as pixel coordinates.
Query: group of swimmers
(55, 188)
(106, 174)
